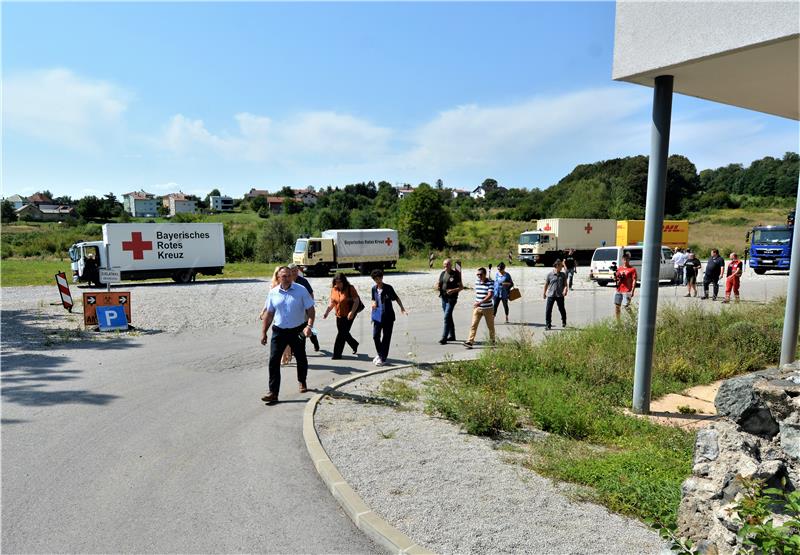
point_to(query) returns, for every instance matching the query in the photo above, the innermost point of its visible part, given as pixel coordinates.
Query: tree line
(613, 188)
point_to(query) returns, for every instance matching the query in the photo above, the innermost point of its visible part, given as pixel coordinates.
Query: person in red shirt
(626, 285)
(733, 276)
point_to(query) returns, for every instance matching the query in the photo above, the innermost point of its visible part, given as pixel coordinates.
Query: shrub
(481, 410)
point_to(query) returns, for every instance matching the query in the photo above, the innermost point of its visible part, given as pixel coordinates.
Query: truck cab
(534, 245)
(770, 247)
(316, 254)
(86, 259)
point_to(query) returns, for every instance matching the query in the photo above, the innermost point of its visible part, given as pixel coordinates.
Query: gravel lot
(456, 493)
(32, 316)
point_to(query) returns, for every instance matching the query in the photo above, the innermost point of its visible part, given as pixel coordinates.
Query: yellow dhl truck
(675, 233)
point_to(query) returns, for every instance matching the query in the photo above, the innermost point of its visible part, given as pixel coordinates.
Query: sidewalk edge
(372, 525)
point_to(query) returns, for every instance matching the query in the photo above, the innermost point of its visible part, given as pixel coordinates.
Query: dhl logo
(669, 228)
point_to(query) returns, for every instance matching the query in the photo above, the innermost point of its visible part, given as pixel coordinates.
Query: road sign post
(91, 302)
(63, 289)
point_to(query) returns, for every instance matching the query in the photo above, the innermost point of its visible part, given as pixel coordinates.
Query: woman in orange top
(345, 300)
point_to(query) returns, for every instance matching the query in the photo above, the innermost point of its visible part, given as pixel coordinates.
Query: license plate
(768, 262)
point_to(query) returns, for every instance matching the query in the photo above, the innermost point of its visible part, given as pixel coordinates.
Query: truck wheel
(318, 270)
(602, 282)
(760, 271)
(184, 276)
(364, 269)
(530, 263)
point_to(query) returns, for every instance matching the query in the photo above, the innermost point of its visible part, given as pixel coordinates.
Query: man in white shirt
(679, 262)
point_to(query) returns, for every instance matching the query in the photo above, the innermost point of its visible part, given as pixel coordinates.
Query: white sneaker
(376, 360)
(379, 362)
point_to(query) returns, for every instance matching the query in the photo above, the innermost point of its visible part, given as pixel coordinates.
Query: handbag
(514, 294)
(360, 303)
(377, 314)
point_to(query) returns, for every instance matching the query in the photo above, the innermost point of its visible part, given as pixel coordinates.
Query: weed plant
(576, 385)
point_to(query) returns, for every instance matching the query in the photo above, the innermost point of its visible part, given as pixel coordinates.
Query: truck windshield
(528, 238)
(74, 253)
(300, 246)
(772, 236)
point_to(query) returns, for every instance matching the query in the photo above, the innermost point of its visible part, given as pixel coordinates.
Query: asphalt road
(160, 443)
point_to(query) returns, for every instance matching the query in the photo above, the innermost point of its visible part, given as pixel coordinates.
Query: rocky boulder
(757, 437)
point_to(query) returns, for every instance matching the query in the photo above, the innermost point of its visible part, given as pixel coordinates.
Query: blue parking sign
(112, 318)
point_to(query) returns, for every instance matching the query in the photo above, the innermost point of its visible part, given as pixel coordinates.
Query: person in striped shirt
(483, 307)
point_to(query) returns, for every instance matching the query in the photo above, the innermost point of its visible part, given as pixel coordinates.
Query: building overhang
(761, 77)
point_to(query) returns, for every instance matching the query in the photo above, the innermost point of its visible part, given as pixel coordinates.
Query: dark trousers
(382, 336)
(343, 336)
(315, 342)
(497, 301)
(570, 274)
(708, 280)
(449, 333)
(548, 311)
(281, 337)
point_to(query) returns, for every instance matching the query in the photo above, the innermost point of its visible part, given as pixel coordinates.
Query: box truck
(675, 233)
(145, 251)
(555, 236)
(362, 249)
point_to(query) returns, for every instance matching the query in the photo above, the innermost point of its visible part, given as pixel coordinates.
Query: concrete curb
(375, 528)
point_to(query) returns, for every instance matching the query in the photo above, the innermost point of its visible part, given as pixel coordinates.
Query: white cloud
(58, 106)
(712, 142)
(323, 135)
(538, 127)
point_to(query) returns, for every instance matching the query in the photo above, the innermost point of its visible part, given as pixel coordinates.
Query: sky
(116, 97)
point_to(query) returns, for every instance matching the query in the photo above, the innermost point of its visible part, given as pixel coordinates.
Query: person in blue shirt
(289, 309)
(383, 316)
(305, 283)
(502, 285)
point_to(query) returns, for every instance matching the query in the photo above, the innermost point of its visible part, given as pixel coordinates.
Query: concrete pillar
(653, 226)
(792, 314)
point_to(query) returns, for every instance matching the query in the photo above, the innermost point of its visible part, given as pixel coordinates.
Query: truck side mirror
(747, 237)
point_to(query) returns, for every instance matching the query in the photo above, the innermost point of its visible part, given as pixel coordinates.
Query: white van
(600, 270)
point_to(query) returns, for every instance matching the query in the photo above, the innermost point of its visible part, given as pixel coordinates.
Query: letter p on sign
(111, 318)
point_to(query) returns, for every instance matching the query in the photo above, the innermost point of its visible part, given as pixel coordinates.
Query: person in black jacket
(383, 316)
(714, 268)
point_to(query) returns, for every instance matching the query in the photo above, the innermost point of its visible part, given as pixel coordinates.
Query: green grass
(575, 386)
(16, 272)
(398, 391)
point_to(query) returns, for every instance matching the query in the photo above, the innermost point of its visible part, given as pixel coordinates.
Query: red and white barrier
(63, 289)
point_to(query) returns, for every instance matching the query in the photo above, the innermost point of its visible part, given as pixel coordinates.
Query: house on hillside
(218, 203)
(45, 213)
(17, 201)
(179, 203)
(275, 204)
(307, 196)
(39, 198)
(403, 192)
(459, 193)
(256, 193)
(140, 204)
(481, 191)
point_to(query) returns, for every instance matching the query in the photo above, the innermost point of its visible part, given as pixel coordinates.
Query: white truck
(362, 249)
(553, 237)
(145, 251)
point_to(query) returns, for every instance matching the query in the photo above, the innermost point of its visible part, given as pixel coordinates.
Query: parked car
(603, 258)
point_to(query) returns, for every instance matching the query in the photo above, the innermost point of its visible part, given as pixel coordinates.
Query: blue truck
(771, 246)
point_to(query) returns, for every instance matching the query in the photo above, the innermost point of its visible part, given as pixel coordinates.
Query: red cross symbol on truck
(547, 227)
(137, 245)
(588, 228)
(388, 241)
